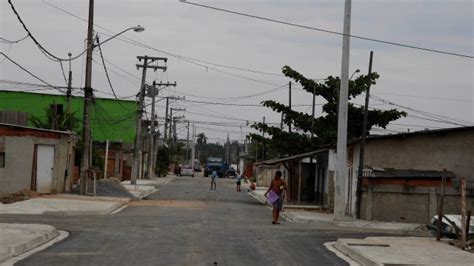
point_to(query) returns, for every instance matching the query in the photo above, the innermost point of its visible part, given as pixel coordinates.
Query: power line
(435, 117)
(427, 97)
(29, 72)
(106, 72)
(181, 57)
(12, 42)
(329, 31)
(234, 97)
(42, 49)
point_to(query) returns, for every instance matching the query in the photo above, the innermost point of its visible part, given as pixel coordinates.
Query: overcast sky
(430, 82)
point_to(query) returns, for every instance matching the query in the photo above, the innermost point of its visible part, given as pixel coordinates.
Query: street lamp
(86, 126)
(137, 28)
(356, 71)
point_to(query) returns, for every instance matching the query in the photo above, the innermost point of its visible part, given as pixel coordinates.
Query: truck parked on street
(215, 164)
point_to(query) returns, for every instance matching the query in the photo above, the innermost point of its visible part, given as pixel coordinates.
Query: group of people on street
(275, 193)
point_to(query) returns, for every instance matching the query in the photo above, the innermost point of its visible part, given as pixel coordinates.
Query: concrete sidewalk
(292, 214)
(17, 239)
(403, 251)
(145, 187)
(65, 204)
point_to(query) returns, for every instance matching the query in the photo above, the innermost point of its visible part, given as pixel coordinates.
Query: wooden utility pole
(440, 206)
(362, 140)
(263, 144)
(153, 91)
(165, 133)
(167, 119)
(86, 130)
(137, 152)
(69, 95)
(464, 229)
(289, 104)
(187, 144)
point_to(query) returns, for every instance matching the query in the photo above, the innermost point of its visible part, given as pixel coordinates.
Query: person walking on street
(213, 180)
(277, 190)
(238, 180)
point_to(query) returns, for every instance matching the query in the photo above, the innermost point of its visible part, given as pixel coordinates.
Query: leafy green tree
(201, 138)
(57, 121)
(324, 128)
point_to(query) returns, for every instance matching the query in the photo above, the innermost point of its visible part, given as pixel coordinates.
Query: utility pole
(69, 95)
(340, 196)
(187, 143)
(289, 105)
(173, 126)
(153, 91)
(362, 140)
(193, 147)
(166, 120)
(86, 130)
(263, 144)
(312, 114)
(137, 153)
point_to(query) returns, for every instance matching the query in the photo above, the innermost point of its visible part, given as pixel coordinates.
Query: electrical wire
(330, 31)
(431, 115)
(42, 49)
(13, 42)
(187, 59)
(107, 73)
(29, 72)
(426, 97)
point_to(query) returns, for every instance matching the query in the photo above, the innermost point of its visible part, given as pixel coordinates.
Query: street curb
(148, 194)
(353, 254)
(61, 236)
(109, 210)
(30, 244)
(331, 246)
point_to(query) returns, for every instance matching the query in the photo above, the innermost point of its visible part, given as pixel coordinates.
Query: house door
(44, 168)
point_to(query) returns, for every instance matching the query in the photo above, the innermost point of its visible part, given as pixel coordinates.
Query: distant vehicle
(230, 172)
(448, 224)
(197, 167)
(215, 164)
(187, 170)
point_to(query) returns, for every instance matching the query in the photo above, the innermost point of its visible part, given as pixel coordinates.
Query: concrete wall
(408, 204)
(265, 174)
(453, 151)
(19, 151)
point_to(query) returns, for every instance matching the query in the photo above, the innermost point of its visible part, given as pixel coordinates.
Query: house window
(2, 160)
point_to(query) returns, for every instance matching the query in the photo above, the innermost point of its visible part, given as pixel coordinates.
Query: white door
(44, 168)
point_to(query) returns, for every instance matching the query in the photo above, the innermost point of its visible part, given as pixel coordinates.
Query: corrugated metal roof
(376, 172)
(38, 129)
(290, 158)
(415, 133)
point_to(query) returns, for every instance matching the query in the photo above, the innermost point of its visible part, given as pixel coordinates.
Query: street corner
(67, 205)
(21, 240)
(402, 251)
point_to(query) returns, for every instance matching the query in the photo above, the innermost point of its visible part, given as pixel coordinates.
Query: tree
(55, 120)
(324, 128)
(201, 138)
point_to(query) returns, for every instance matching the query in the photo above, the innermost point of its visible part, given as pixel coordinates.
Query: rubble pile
(18, 196)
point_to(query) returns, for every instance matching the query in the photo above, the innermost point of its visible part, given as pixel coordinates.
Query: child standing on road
(238, 180)
(213, 180)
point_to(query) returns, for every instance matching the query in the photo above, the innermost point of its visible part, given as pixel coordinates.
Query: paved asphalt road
(185, 223)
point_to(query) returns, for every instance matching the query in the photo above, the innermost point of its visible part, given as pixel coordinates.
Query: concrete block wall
(414, 205)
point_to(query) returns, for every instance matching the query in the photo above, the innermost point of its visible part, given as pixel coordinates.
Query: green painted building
(113, 120)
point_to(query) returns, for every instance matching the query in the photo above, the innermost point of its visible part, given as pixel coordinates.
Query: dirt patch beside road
(18, 196)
